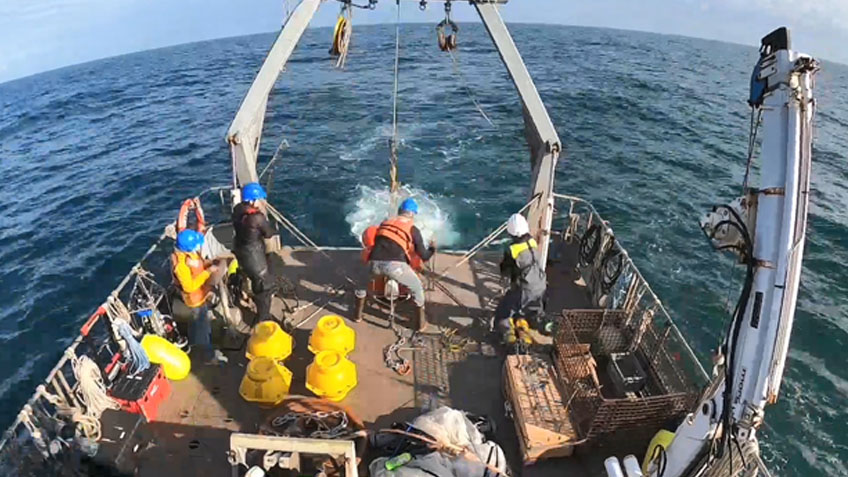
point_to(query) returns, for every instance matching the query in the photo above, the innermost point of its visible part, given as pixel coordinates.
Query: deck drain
(184, 414)
(194, 445)
(228, 420)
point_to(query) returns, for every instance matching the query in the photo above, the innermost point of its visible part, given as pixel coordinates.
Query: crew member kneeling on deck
(252, 228)
(397, 245)
(195, 278)
(523, 265)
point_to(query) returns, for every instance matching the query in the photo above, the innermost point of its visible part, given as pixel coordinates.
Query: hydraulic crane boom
(767, 228)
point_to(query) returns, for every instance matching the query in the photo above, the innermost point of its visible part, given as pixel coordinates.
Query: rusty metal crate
(586, 337)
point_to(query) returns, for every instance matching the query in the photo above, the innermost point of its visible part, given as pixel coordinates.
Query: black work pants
(254, 264)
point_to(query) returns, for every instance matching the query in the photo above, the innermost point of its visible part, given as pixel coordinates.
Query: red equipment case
(142, 393)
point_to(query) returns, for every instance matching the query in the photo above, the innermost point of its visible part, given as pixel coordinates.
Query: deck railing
(629, 291)
(24, 441)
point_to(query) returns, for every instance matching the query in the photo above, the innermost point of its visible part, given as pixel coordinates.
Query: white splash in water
(374, 205)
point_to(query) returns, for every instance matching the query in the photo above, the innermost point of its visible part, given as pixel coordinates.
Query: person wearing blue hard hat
(397, 253)
(251, 229)
(194, 277)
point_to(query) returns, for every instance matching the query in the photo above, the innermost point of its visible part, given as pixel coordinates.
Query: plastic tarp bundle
(450, 427)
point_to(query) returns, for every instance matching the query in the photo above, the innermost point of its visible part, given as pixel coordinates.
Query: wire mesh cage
(588, 345)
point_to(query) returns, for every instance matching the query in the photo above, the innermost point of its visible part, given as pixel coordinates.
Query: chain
(391, 353)
(324, 431)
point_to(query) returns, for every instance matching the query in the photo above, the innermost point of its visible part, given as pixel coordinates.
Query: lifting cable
(393, 142)
(458, 71)
(448, 44)
(756, 119)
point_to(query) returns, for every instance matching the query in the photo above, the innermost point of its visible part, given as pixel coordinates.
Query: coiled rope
(342, 34)
(91, 392)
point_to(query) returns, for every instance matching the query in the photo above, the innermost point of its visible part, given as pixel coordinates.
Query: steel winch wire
(393, 143)
(458, 71)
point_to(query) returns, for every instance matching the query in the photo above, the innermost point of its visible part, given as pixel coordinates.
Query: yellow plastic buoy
(662, 439)
(332, 334)
(174, 361)
(269, 341)
(331, 375)
(265, 381)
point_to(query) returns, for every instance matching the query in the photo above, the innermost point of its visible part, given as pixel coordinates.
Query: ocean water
(96, 158)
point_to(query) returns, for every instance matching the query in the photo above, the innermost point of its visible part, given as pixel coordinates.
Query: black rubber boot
(359, 297)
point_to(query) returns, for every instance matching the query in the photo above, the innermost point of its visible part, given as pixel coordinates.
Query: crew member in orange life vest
(194, 278)
(397, 245)
(252, 228)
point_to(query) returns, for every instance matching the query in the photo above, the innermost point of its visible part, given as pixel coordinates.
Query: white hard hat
(517, 225)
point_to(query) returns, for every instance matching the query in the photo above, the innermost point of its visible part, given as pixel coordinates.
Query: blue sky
(39, 35)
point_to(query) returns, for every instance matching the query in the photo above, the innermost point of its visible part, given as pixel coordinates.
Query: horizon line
(226, 37)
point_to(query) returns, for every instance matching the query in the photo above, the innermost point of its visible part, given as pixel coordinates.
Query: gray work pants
(513, 304)
(402, 273)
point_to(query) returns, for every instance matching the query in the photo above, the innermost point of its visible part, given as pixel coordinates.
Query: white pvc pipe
(612, 467)
(632, 467)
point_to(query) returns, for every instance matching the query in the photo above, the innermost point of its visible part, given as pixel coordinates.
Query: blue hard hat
(189, 241)
(252, 191)
(409, 205)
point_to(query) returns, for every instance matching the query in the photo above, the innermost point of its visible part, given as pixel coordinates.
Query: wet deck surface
(192, 432)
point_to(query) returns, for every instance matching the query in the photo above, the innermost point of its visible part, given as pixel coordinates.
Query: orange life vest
(368, 238)
(196, 266)
(399, 230)
(182, 219)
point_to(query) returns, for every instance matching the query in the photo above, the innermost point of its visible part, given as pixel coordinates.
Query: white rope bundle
(91, 391)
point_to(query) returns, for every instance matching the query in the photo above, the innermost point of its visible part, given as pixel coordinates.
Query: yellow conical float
(265, 381)
(332, 334)
(269, 341)
(331, 375)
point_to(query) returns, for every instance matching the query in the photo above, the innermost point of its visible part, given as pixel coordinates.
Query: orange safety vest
(399, 230)
(193, 296)
(368, 238)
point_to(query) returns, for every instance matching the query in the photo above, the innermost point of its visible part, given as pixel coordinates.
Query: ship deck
(194, 424)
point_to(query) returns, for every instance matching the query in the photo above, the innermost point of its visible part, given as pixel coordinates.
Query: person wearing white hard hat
(522, 263)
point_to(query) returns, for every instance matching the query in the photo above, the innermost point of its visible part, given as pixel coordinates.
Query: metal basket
(588, 337)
